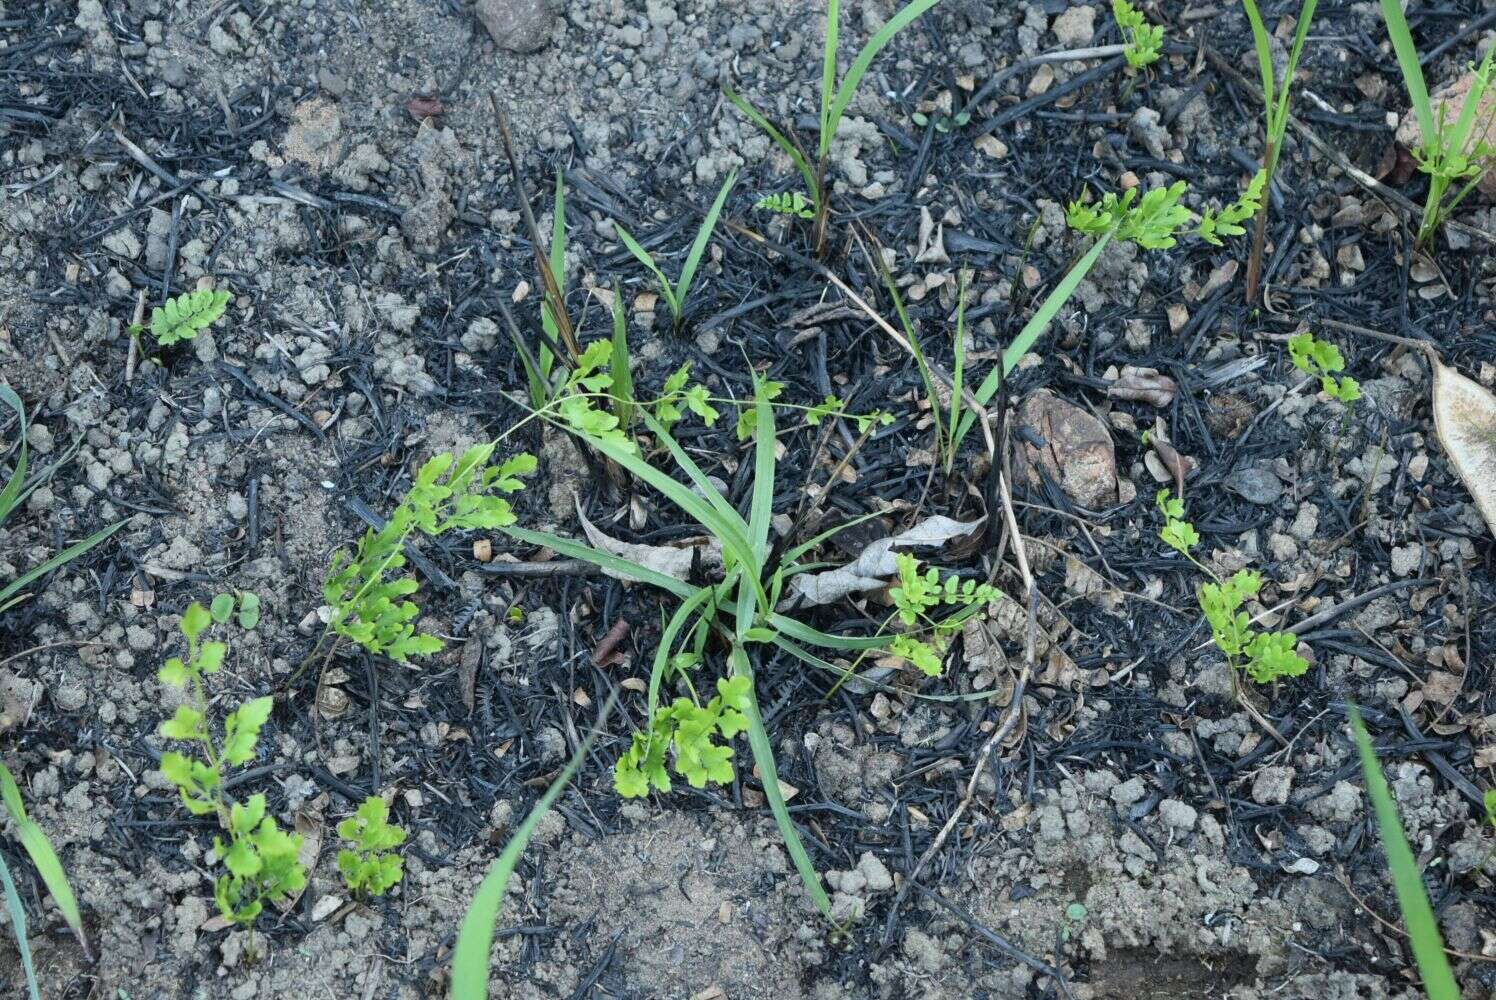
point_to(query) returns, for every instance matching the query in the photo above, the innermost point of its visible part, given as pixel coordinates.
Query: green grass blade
(1264, 58)
(43, 857)
(957, 375)
(1301, 34)
(795, 552)
(12, 492)
(703, 236)
(1036, 325)
(18, 927)
(763, 756)
(1473, 101)
(920, 361)
(558, 271)
(67, 555)
(622, 389)
(864, 59)
(1407, 59)
(1423, 930)
(643, 257)
(667, 643)
(828, 71)
(788, 148)
(693, 472)
(800, 632)
(761, 505)
(607, 560)
(475, 938)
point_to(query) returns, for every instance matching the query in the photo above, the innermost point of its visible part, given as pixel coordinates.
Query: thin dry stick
(1014, 707)
(133, 357)
(1345, 884)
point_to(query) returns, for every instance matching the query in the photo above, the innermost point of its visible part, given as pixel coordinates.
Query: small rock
(1272, 785)
(1076, 26)
(1405, 559)
(1256, 484)
(1076, 449)
(516, 25)
(1179, 815)
(875, 873)
(1130, 791)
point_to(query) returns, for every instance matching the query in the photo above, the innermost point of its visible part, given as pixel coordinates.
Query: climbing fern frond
(787, 203)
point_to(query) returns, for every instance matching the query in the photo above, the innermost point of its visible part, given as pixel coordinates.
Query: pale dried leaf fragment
(878, 562)
(1465, 419)
(673, 561)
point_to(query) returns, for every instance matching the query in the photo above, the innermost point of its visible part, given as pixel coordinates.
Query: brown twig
(553, 299)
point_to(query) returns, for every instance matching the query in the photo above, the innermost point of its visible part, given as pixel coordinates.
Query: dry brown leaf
(877, 563)
(673, 561)
(1465, 418)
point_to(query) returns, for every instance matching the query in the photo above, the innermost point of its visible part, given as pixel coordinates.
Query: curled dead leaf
(872, 569)
(1465, 419)
(1143, 385)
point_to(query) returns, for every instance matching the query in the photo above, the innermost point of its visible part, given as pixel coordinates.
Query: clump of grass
(675, 295)
(692, 733)
(835, 97)
(1275, 108)
(1454, 156)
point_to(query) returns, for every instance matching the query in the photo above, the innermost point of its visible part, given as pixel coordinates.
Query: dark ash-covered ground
(336, 165)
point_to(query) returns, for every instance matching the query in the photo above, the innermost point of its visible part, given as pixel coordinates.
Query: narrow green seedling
(835, 99)
(184, 316)
(262, 860)
(1454, 155)
(675, 296)
(369, 863)
(44, 859)
(17, 488)
(1263, 656)
(1275, 109)
(1407, 880)
(1143, 43)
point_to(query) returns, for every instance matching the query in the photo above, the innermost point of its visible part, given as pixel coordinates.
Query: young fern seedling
(182, 317)
(1275, 108)
(1323, 361)
(1264, 656)
(787, 203)
(262, 860)
(675, 297)
(916, 596)
(369, 864)
(1143, 43)
(1450, 154)
(364, 590)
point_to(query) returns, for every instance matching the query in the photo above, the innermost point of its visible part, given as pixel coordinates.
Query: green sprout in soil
(1154, 220)
(262, 861)
(1275, 105)
(48, 866)
(1263, 656)
(834, 101)
(369, 863)
(17, 488)
(1143, 42)
(182, 317)
(675, 296)
(787, 203)
(367, 594)
(919, 594)
(1323, 361)
(1454, 155)
(1407, 879)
